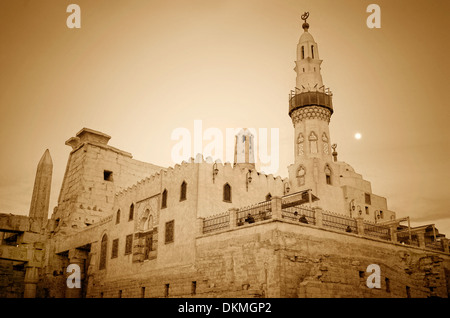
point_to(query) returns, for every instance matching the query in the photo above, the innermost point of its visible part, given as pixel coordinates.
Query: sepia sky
(139, 69)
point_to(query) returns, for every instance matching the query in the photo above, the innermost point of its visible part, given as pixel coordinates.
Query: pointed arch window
(183, 191)
(131, 215)
(312, 51)
(301, 172)
(312, 142)
(325, 143)
(118, 217)
(327, 174)
(164, 199)
(227, 192)
(303, 52)
(300, 139)
(103, 251)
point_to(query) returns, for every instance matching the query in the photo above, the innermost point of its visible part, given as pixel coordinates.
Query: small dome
(306, 37)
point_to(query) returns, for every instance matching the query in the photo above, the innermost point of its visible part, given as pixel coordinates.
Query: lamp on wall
(359, 210)
(287, 188)
(215, 171)
(352, 206)
(248, 178)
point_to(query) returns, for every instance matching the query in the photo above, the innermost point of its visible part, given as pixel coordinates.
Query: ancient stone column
(30, 281)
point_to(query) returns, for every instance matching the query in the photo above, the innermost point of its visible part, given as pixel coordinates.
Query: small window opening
(166, 290)
(194, 288)
(107, 175)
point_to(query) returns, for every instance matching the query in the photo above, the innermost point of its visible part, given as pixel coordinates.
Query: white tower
(244, 149)
(310, 108)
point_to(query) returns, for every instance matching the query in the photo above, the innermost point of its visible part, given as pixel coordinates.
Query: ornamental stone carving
(310, 112)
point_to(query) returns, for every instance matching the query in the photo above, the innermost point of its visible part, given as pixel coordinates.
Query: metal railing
(254, 213)
(216, 222)
(403, 238)
(378, 231)
(300, 214)
(434, 245)
(339, 222)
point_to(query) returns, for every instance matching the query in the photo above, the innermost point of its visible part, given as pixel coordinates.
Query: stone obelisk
(42, 184)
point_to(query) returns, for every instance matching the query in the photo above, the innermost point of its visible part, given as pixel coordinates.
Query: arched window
(312, 51)
(131, 215)
(148, 221)
(301, 172)
(268, 197)
(164, 199)
(183, 191)
(300, 140)
(312, 142)
(227, 192)
(325, 143)
(303, 52)
(103, 250)
(327, 174)
(118, 217)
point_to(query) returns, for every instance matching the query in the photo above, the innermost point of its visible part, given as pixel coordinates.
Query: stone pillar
(319, 216)
(31, 280)
(200, 226)
(444, 242)
(360, 225)
(421, 238)
(276, 208)
(393, 232)
(233, 217)
(76, 257)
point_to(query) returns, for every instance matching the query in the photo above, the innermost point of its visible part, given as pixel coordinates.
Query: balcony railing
(377, 231)
(292, 208)
(403, 237)
(255, 213)
(299, 213)
(434, 245)
(216, 222)
(339, 222)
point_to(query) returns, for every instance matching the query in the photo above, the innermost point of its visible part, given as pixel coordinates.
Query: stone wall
(282, 259)
(11, 279)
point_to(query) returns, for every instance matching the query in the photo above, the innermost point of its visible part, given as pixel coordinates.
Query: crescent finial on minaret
(305, 25)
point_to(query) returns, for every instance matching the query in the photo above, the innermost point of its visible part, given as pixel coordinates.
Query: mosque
(204, 228)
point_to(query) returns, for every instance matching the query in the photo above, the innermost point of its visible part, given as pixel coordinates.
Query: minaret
(42, 184)
(244, 150)
(310, 108)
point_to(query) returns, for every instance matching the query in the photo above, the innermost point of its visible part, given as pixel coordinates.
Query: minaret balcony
(303, 98)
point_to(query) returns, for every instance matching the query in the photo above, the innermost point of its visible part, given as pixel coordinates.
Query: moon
(358, 136)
